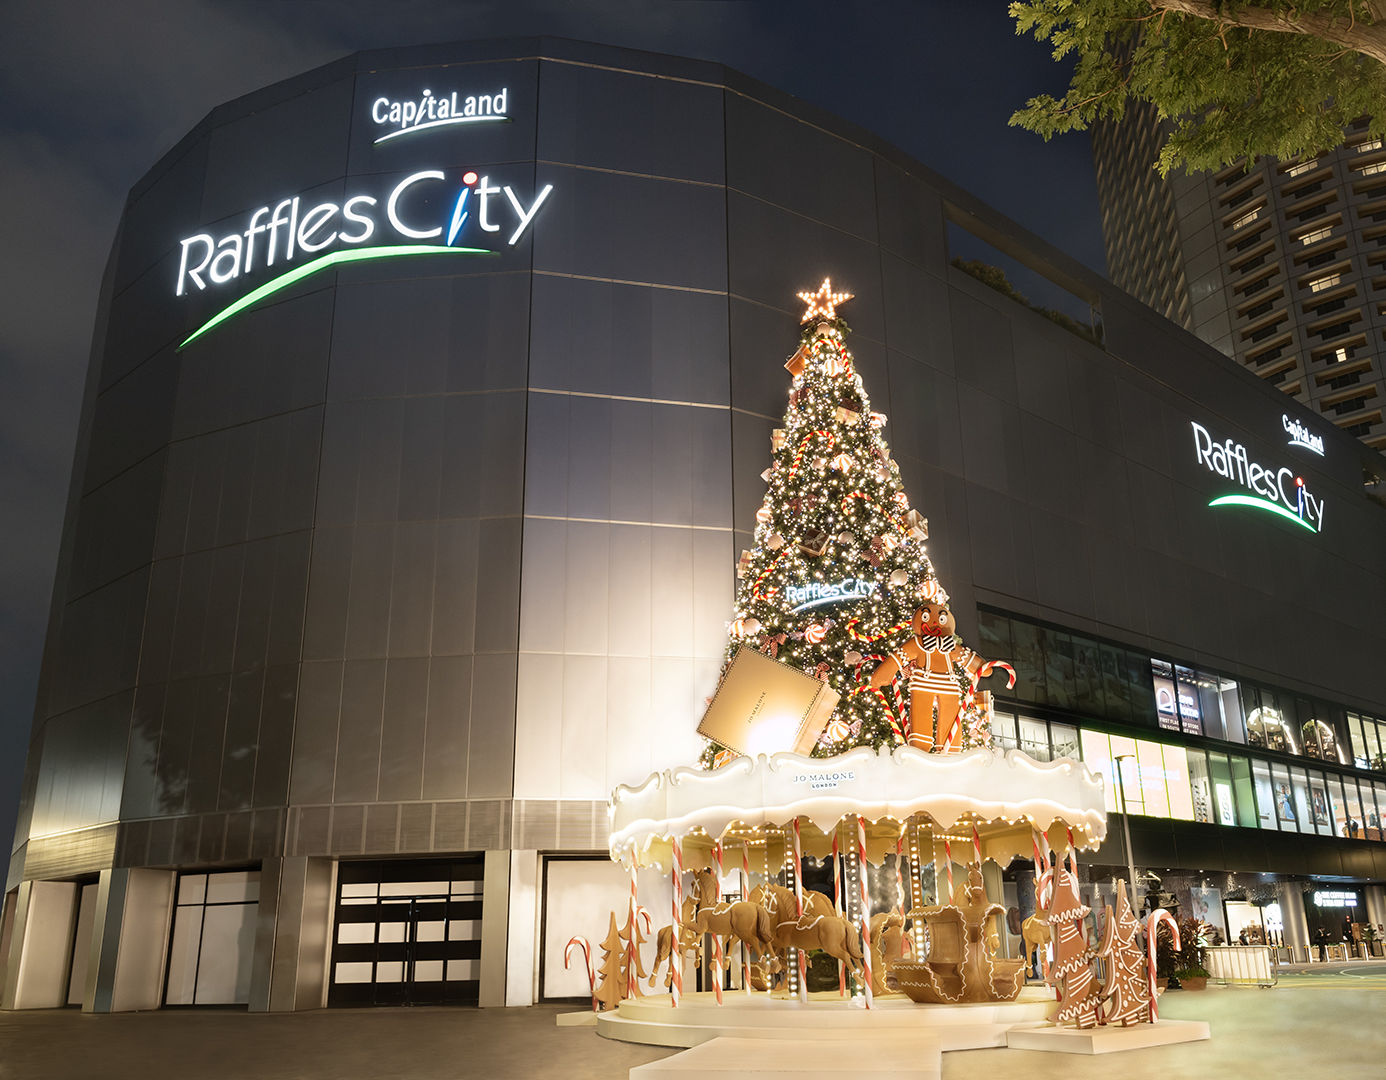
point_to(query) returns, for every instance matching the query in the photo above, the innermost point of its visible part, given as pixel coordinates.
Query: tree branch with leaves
(1235, 80)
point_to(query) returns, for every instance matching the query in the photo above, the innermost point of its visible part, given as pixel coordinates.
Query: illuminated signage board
(823, 594)
(1301, 436)
(1334, 898)
(1275, 490)
(424, 213)
(429, 111)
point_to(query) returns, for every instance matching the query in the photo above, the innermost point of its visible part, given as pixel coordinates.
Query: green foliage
(1232, 92)
(994, 277)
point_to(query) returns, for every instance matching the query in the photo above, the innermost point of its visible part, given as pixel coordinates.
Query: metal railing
(1241, 965)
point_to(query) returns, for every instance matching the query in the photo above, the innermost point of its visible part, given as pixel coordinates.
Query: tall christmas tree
(1127, 989)
(838, 567)
(1072, 969)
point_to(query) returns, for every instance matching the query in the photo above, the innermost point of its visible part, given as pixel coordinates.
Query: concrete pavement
(1331, 1019)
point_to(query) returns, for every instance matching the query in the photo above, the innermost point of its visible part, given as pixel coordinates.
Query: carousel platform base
(896, 1055)
(1106, 1040)
(826, 1020)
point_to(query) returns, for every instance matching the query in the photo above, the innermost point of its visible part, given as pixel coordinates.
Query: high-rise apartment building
(1281, 265)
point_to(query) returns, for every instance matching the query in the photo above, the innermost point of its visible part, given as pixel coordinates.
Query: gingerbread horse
(926, 665)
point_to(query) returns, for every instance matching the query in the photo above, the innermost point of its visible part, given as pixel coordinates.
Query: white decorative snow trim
(981, 785)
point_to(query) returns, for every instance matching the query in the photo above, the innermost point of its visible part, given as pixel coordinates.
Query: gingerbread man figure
(926, 662)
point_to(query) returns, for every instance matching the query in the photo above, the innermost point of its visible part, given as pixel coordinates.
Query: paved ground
(1329, 1021)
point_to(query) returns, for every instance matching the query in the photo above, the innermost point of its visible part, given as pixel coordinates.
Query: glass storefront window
(1064, 738)
(1177, 782)
(1284, 798)
(1359, 745)
(1374, 829)
(1116, 692)
(1028, 658)
(1230, 702)
(1187, 683)
(1003, 731)
(1303, 812)
(1058, 669)
(1352, 808)
(1371, 735)
(1267, 728)
(1126, 772)
(1336, 810)
(1034, 738)
(1247, 813)
(1319, 812)
(1152, 779)
(1097, 756)
(1166, 695)
(1265, 794)
(1226, 801)
(1201, 787)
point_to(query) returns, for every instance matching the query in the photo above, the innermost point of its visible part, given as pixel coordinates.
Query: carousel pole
(865, 913)
(802, 958)
(948, 865)
(717, 960)
(746, 895)
(837, 906)
(676, 960)
(916, 894)
(632, 953)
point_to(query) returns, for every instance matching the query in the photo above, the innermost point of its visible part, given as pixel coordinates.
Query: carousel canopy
(984, 797)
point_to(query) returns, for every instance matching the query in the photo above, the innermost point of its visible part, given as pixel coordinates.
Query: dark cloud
(96, 91)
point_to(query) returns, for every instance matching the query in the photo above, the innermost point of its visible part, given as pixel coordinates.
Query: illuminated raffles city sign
(824, 593)
(1277, 491)
(424, 213)
(430, 111)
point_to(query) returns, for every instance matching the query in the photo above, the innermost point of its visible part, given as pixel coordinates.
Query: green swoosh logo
(325, 262)
(1262, 504)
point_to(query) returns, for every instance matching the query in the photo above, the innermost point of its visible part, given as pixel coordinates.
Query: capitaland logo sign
(1275, 490)
(429, 111)
(1301, 436)
(425, 213)
(823, 593)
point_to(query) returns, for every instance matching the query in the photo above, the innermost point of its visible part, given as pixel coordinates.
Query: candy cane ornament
(586, 947)
(1152, 922)
(717, 961)
(633, 953)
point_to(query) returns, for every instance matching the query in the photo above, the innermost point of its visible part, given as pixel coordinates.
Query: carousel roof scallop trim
(980, 785)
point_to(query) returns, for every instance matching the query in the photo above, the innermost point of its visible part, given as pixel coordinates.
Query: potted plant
(1167, 959)
(1192, 958)
(1371, 939)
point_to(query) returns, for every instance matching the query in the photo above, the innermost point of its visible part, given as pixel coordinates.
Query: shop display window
(1265, 794)
(1360, 758)
(1116, 690)
(1304, 810)
(1248, 814)
(1097, 756)
(1266, 725)
(1374, 816)
(1227, 802)
(1352, 809)
(1189, 686)
(1166, 695)
(1337, 808)
(1201, 788)
(1003, 731)
(1027, 656)
(1064, 739)
(1178, 782)
(1058, 669)
(1372, 733)
(1283, 798)
(1034, 738)
(1152, 778)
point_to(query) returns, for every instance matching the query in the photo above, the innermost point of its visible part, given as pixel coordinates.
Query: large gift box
(765, 707)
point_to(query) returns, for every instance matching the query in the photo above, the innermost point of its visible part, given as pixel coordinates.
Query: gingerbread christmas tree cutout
(1071, 973)
(1127, 988)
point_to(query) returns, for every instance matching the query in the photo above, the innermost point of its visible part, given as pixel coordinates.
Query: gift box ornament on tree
(837, 548)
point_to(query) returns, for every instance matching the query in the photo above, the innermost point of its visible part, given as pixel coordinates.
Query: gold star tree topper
(822, 303)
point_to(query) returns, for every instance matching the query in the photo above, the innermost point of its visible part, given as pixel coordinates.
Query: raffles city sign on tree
(838, 583)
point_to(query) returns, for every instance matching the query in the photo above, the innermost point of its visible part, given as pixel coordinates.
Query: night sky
(95, 92)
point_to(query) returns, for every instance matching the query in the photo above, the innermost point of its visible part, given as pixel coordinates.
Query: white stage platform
(1107, 1040)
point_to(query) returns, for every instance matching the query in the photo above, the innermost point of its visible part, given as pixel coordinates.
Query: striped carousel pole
(801, 956)
(865, 910)
(676, 959)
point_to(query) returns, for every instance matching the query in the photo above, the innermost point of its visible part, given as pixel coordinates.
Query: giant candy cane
(717, 938)
(586, 947)
(1152, 922)
(676, 959)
